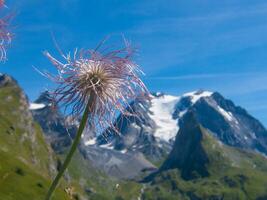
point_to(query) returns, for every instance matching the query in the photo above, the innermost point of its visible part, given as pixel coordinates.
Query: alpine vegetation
(5, 35)
(98, 83)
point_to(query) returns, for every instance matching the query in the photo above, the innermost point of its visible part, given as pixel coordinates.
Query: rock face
(6, 80)
(57, 128)
(151, 132)
(231, 124)
(188, 154)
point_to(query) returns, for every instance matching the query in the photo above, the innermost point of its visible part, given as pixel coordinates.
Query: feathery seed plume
(110, 79)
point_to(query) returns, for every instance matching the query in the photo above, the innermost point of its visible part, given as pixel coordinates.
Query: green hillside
(20, 182)
(26, 161)
(233, 174)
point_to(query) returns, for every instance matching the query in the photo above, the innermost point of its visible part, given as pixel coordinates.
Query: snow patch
(134, 125)
(90, 142)
(162, 109)
(36, 106)
(181, 114)
(124, 151)
(196, 95)
(227, 115)
(142, 106)
(107, 146)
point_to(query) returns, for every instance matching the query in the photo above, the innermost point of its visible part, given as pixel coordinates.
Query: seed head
(109, 79)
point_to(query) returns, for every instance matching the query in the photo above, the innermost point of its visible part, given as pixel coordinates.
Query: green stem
(71, 152)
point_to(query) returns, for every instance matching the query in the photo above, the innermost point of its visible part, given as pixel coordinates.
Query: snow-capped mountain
(231, 124)
(156, 126)
(153, 132)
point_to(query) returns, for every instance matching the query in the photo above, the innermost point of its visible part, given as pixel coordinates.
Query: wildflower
(110, 80)
(97, 83)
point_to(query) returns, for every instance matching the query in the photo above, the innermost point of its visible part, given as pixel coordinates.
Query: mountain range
(195, 146)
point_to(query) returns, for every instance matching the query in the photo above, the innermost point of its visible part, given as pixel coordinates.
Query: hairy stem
(71, 151)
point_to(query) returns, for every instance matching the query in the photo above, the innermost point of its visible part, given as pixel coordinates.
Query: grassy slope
(25, 159)
(97, 184)
(234, 174)
(20, 136)
(20, 182)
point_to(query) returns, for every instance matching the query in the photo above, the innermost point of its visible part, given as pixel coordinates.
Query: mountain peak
(196, 95)
(6, 80)
(45, 97)
(188, 154)
(44, 100)
(157, 94)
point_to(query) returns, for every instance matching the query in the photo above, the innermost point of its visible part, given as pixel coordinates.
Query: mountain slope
(23, 150)
(19, 130)
(231, 124)
(188, 154)
(202, 167)
(151, 132)
(58, 132)
(20, 181)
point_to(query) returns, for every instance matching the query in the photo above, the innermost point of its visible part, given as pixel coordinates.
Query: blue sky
(183, 45)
